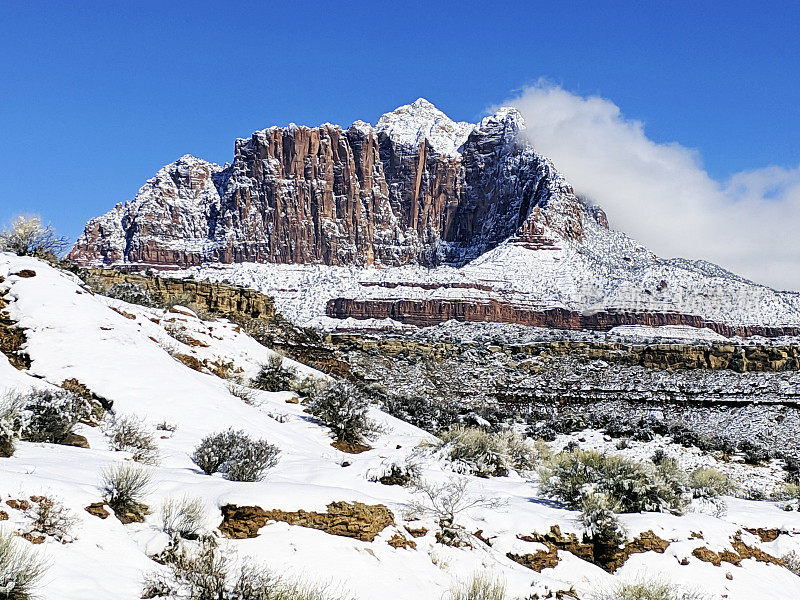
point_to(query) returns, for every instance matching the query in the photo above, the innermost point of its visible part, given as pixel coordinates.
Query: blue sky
(96, 97)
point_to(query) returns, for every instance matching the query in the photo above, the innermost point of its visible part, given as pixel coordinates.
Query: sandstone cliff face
(427, 312)
(416, 189)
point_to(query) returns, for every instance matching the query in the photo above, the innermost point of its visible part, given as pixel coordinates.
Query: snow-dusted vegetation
(124, 487)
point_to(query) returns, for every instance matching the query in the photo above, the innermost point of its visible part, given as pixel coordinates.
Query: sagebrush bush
(420, 411)
(273, 376)
(396, 473)
(792, 562)
(236, 456)
(707, 482)
(45, 415)
(20, 568)
(599, 519)
(9, 424)
(635, 487)
(308, 386)
(184, 517)
(344, 410)
(206, 573)
(51, 517)
(244, 393)
(129, 434)
(124, 486)
(472, 450)
(480, 587)
(646, 590)
(130, 293)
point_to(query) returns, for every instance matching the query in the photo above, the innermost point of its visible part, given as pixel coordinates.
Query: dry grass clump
(20, 569)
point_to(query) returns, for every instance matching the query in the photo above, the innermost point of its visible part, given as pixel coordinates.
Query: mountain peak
(410, 124)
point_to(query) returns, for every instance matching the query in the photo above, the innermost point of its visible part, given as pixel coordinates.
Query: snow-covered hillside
(136, 357)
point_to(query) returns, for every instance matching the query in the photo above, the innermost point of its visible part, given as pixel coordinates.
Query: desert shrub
(789, 492)
(184, 518)
(344, 410)
(480, 587)
(308, 386)
(635, 487)
(20, 569)
(396, 473)
(646, 590)
(523, 454)
(9, 424)
(206, 573)
(235, 455)
(445, 502)
(753, 453)
(420, 411)
(130, 434)
(659, 456)
(28, 236)
(599, 519)
(244, 393)
(44, 415)
(792, 562)
(7, 445)
(472, 450)
(166, 426)
(706, 482)
(130, 293)
(273, 376)
(51, 517)
(124, 486)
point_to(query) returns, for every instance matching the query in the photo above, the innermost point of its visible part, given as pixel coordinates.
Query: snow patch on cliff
(410, 124)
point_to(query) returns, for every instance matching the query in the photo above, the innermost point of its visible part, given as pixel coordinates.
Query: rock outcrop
(416, 189)
(349, 519)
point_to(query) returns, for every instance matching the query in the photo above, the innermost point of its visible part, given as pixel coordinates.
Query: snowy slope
(606, 271)
(413, 123)
(74, 334)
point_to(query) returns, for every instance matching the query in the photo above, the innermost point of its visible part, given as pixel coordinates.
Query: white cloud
(661, 195)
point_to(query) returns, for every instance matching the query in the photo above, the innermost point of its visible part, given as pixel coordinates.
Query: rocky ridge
(416, 189)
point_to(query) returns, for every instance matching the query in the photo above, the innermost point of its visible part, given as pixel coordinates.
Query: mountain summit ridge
(418, 188)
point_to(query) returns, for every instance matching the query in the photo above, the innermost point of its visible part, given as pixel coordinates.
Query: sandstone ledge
(432, 312)
(349, 519)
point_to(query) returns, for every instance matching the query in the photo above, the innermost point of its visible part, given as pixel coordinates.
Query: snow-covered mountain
(160, 368)
(418, 220)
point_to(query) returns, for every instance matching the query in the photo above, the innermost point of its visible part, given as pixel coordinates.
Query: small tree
(28, 236)
(445, 502)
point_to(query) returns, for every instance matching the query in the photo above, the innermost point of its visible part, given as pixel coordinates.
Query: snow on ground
(74, 334)
(607, 270)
